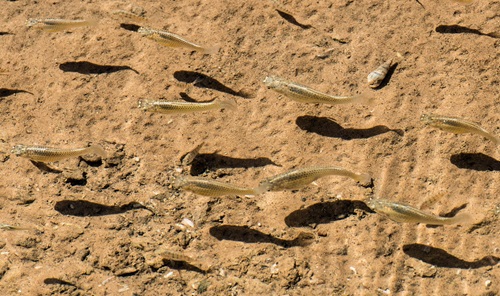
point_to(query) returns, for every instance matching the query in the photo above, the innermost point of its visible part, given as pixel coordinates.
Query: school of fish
(293, 179)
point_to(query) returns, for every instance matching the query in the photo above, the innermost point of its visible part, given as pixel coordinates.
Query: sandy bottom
(114, 226)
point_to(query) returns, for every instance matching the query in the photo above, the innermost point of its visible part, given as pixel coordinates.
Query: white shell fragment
(376, 77)
(187, 222)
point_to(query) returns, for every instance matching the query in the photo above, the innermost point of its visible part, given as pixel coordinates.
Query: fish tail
(364, 99)
(364, 179)
(98, 150)
(263, 187)
(229, 104)
(461, 219)
(490, 137)
(211, 50)
(91, 22)
(495, 140)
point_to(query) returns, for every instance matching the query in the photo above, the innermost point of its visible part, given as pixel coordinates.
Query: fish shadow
(183, 265)
(204, 81)
(203, 162)
(441, 258)
(91, 68)
(475, 161)
(292, 20)
(387, 77)
(6, 33)
(83, 208)
(130, 27)
(54, 281)
(45, 168)
(456, 29)
(247, 235)
(324, 212)
(326, 127)
(5, 92)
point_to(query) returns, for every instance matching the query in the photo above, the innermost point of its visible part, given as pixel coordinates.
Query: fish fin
(263, 187)
(98, 150)
(462, 219)
(364, 98)
(229, 104)
(364, 179)
(211, 50)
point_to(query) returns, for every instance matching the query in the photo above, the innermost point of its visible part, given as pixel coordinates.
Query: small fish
(128, 15)
(376, 77)
(172, 40)
(404, 213)
(305, 94)
(56, 25)
(299, 178)
(208, 187)
(169, 107)
(4, 72)
(457, 126)
(49, 154)
(10, 227)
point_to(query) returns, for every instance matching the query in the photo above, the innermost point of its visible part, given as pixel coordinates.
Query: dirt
(103, 227)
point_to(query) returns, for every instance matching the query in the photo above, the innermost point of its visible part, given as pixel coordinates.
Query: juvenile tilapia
(457, 126)
(304, 94)
(299, 178)
(128, 15)
(56, 25)
(210, 187)
(169, 107)
(404, 213)
(172, 40)
(49, 154)
(10, 227)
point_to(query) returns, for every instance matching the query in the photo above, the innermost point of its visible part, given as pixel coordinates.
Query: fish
(299, 178)
(56, 25)
(403, 213)
(170, 107)
(10, 227)
(172, 40)
(304, 94)
(4, 72)
(129, 15)
(50, 154)
(208, 187)
(457, 126)
(376, 77)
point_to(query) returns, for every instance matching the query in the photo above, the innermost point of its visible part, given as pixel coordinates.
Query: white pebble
(188, 222)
